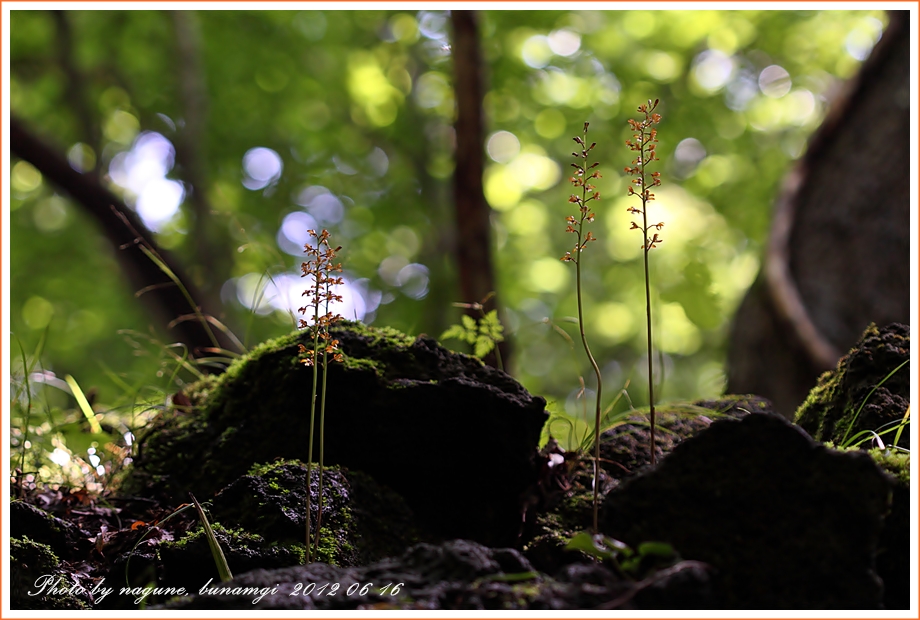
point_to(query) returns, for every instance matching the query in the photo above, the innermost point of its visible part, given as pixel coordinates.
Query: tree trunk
(473, 246)
(839, 249)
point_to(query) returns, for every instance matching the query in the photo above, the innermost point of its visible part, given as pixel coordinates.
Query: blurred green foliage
(358, 107)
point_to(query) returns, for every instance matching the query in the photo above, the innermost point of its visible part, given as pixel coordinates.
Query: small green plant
(319, 266)
(576, 225)
(895, 426)
(577, 432)
(629, 563)
(483, 333)
(644, 141)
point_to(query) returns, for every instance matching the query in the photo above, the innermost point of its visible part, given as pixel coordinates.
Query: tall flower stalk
(319, 266)
(644, 141)
(576, 225)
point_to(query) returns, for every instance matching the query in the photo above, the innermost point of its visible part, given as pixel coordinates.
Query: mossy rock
(362, 521)
(34, 572)
(455, 438)
(568, 499)
(786, 522)
(188, 562)
(625, 447)
(856, 396)
(64, 538)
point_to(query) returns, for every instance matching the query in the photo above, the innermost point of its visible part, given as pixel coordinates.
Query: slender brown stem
(597, 373)
(648, 301)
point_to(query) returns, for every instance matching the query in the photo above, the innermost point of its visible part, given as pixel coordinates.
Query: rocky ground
(436, 497)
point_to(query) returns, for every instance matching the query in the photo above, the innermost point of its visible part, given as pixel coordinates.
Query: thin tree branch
(162, 296)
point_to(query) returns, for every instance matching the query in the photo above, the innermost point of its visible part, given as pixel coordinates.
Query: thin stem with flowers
(576, 225)
(319, 266)
(644, 141)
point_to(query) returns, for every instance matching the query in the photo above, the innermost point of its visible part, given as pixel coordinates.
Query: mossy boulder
(64, 538)
(38, 581)
(362, 521)
(566, 503)
(455, 438)
(787, 523)
(188, 562)
(859, 395)
(625, 447)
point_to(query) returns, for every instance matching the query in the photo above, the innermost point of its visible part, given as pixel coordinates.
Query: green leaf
(469, 322)
(600, 547)
(454, 331)
(656, 548)
(84, 404)
(484, 346)
(223, 569)
(491, 327)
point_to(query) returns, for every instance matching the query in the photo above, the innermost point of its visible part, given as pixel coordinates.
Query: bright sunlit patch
(284, 292)
(527, 218)
(550, 123)
(81, 157)
(688, 154)
(534, 170)
(613, 321)
(403, 241)
(662, 66)
(557, 87)
(433, 24)
(564, 42)
(24, 177)
(59, 457)
(121, 127)
(432, 90)
(712, 70)
(548, 275)
(262, 166)
(862, 39)
(324, 206)
(501, 188)
(293, 234)
(774, 81)
(502, 146)
(159, 202)
(142, 170)
(800, 107)
(389, 268)
(741, 90)
(677, 333)
(412, 280)
(536, 51)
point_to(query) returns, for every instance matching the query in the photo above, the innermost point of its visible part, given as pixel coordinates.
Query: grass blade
(84, 404)
(223, 569)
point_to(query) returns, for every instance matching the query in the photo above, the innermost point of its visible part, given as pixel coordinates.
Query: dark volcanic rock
(856, 396)
(459, 574)
(625, 447)
(64, 538)
(785, 522)
(455, 438)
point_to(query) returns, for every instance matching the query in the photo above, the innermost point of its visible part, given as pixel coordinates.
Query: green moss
(894, 462)
(864, 393)
(31, 561)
